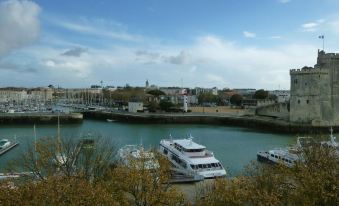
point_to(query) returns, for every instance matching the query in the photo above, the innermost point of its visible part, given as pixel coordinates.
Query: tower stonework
(315, 92)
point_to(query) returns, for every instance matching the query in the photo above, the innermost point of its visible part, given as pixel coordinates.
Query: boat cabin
(189, 148)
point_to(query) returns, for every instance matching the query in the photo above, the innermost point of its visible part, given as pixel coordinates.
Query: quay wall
(255, 122)
(40, 118)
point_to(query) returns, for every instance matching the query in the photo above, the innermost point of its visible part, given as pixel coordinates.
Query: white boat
(191, 158)
(332, 143)
(4, 143)
(137, 154)
(110, 120)
(286, 156)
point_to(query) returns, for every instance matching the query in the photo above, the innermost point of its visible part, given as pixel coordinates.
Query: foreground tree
(313, 181)
(145, 181)
(55, 190)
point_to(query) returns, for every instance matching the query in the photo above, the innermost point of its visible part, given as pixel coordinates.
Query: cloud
(148, 54)
(19, 24)
(98, 27)
(75, 52)
(248, 34)
(275, 37)
(311, 26)
(17, 68)
(284, 1)
(182, 58)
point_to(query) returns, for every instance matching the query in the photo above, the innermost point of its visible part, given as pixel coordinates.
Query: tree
(56, 190)
(260, 94)
(86, 158)
(312, 181)
(145, 181)
(156, 93)
(207, 97)
(236, 99)
(165, 105)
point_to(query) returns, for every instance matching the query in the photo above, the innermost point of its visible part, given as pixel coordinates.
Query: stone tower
(315, 92)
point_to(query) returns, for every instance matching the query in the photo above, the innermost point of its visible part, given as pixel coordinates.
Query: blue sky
(232, 43)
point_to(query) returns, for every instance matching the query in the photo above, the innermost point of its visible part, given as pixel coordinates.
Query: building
(245, 92)
(282, 95)
(315, 92)
(135, 107)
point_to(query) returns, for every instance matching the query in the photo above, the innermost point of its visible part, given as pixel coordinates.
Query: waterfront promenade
(228, 119)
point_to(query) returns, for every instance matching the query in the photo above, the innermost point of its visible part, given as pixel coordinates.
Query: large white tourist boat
(191, 158)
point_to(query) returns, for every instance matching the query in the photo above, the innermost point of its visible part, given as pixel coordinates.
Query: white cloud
(19, 24)
(248, 34)
(209, 61)
(101, 28)
(312, 26)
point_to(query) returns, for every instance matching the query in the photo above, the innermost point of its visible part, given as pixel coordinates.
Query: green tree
(207, 97)
(260, 94)
(156, 93)
(236, 99)
(165, 105)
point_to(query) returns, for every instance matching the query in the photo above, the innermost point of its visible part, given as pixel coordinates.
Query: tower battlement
(308, 70)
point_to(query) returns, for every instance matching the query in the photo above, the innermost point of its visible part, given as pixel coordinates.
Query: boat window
(276, 156)
(209, 165)
(213, 165)
(192, 166)
(272, 155)
(205, 166)
(200, 166)
(165, 151)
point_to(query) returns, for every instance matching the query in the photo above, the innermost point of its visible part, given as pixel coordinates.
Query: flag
(321, 37)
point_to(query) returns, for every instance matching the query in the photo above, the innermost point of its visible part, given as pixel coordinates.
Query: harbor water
(235, 147)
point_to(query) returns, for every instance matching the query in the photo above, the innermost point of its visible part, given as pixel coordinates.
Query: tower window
(298, 101)
(307, 101)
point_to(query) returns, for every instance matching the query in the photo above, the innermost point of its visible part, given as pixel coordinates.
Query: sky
(190, 43)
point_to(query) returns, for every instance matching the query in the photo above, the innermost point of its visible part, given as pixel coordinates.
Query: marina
(234, 147)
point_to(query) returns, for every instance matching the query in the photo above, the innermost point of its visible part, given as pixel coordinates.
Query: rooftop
(188, 144)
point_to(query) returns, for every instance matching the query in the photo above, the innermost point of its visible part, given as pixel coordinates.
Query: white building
(135, 106)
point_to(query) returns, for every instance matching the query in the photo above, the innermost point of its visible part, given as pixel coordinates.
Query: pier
(40, 118)
(4, 150)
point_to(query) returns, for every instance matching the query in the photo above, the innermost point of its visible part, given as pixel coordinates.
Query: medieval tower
(315, 92)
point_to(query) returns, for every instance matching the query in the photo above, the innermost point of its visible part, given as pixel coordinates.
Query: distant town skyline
(194, 43)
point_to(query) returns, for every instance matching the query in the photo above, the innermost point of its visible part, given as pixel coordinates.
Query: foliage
(313, 181)
(68, 158)
(207, 97)
(236, 99)
(145, 181)
(55, 190)
(90, 180)
(165, 105)
(260, 94)
(153, 106)
(156, 92)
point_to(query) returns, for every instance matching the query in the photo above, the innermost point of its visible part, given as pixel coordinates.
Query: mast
(58, 135)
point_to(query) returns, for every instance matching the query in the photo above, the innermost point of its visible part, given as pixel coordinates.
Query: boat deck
(3, 151)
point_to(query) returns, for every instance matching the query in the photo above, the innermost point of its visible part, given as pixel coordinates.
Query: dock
(3, 151)
(181, 176)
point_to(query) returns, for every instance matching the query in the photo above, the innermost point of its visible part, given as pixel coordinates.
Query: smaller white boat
(110, 120)
(286, 156)
(4, 143)
(130, 154)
